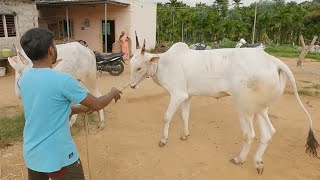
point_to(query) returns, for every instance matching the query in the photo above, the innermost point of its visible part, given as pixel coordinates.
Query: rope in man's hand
(125, 87)
(86, 125)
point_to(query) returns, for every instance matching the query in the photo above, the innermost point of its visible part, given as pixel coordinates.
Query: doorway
(110, 35)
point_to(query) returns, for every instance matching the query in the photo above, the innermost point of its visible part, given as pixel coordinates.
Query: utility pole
(182, 34)
(105, 27)
(254, 23)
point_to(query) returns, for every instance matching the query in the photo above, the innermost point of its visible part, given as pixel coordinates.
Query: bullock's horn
(137, 41)
(143, 47)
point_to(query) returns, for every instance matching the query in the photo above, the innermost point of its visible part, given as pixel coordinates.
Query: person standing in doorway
(124, 45)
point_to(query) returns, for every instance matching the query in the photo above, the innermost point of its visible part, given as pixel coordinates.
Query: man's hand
(116, 94)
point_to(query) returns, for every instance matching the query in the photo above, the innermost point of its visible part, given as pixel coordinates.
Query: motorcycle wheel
(117, 73)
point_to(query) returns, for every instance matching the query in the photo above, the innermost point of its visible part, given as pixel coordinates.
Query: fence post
(305, 49)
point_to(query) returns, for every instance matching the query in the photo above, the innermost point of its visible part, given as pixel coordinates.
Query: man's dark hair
(36, 42)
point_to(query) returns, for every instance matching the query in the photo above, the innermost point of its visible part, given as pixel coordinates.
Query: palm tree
(315, 12)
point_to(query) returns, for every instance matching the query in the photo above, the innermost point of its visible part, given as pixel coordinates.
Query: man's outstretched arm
(96, 104)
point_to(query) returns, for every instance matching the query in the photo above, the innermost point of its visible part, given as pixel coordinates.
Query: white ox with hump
(253, 78)
(74, 59)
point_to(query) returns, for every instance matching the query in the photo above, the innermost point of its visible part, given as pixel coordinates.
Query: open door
(110, 35)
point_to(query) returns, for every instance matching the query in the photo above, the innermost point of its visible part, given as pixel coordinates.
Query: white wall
(144, 22)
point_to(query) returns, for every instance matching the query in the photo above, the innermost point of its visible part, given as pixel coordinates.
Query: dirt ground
(127, 149)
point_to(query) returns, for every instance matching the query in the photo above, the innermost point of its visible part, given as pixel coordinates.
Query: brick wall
(26, 18)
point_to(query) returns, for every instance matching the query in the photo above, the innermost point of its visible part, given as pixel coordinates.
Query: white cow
(75, 59)
(252, 77)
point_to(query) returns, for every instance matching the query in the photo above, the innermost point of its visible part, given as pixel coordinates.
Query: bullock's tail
(312, 143)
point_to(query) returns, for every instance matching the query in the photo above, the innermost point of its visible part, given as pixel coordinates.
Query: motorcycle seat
(111, 56)
(103, 57)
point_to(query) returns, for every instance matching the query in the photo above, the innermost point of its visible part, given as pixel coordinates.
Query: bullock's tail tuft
(312, 145)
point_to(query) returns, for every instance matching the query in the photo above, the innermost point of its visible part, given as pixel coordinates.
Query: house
(85, 20)
(16, 17)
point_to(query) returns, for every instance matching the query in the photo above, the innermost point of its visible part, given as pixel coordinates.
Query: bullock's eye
(139, 69)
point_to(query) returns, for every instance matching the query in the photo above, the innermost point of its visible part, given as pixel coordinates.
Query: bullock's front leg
(175, 102)
(185, 118)
(248, 137)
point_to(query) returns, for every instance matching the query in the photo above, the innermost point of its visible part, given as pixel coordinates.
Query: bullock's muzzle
(135, 84)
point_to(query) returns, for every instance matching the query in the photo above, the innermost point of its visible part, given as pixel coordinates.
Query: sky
(193, 2)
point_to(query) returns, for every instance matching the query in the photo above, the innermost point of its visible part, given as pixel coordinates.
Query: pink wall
(95, 14)
(137, 16)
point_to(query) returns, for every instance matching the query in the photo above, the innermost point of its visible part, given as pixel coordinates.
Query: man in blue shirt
(48, 147)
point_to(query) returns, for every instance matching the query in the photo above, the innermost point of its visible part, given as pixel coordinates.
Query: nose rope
(125, 87)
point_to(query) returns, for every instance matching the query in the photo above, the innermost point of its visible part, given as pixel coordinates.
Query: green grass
(11, 129)
(290, 51)
(305, 92)
(305, 81)
(316, 86)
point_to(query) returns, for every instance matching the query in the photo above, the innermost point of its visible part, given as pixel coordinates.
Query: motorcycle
(113, 64)
(110, 63)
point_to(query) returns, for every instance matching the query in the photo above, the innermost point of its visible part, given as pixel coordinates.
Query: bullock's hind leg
(248, 135)
(73, 120)
(185, 117)
(175, 102)
(266, 132)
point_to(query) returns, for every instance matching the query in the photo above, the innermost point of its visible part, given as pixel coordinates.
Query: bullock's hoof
(184, 138)
(260, 167)
(161, 144)
(236, 161)
(101, 126)
(260, 171)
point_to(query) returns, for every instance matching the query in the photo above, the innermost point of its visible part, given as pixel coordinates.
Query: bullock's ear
(22, 58)
(13, 62)
(154, 59)
(143, 50)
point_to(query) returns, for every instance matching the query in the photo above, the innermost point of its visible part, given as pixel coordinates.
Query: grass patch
(290, 51)
(11, 129)
(305, 92)
(315, 56)
(316, 86)
(305, 81)
(283, 51)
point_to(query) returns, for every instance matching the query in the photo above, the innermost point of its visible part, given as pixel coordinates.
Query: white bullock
(74, 59)
(252, 77)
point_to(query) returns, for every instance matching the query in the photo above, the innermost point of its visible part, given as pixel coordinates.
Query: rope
(125, 87)
(86, 119)
(86, 125)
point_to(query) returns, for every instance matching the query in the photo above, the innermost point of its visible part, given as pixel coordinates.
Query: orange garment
(124, 47)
